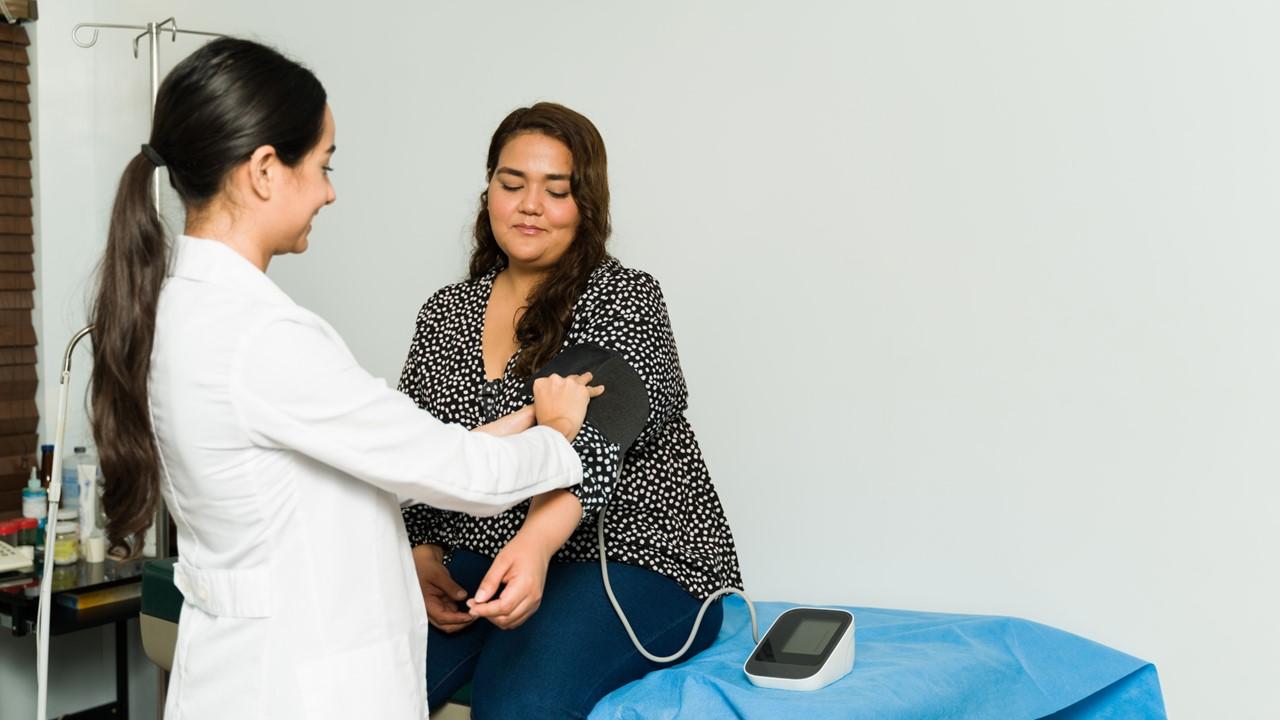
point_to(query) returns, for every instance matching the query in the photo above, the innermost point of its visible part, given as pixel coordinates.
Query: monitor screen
(810, 636)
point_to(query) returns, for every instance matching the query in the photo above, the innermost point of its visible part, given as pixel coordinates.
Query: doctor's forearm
(553, 516)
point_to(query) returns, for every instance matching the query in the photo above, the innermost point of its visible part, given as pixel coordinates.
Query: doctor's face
(531, 206)
(306, 188)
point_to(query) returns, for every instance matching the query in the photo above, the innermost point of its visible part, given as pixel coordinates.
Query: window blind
(18, 414)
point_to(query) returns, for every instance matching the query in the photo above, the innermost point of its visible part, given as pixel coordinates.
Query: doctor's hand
(561, 402)
(522, 567)
(516, 422)
(440, 593)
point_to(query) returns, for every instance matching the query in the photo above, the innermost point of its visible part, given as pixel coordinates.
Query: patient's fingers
(513, 595)
(514, 619)
(438, 576)
(502, 605)
(442, 612)
(450, 628)
(492, 579)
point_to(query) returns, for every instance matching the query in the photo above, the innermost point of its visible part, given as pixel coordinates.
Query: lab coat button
(202, 592)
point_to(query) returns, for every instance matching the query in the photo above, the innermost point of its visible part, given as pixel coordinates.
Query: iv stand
(152, 32)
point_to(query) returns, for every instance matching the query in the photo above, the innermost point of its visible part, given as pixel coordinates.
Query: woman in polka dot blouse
(516, 602)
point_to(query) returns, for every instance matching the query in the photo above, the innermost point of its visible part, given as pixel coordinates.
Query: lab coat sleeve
(297, 387)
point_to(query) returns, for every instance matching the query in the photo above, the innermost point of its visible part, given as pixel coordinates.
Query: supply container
(35, 502)
(66, 543)
(46, 464)
(27, 528)
(90, 482)
(95, 547)
(71, 478)
(9, 532)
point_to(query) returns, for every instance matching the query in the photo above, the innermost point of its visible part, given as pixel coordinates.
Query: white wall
(977, 301)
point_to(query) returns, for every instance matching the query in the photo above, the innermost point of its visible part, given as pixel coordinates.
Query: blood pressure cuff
(621, 412)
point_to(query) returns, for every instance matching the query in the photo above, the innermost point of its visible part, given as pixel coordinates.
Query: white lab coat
(284, 463)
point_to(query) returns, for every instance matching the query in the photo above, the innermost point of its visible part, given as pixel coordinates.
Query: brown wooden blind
(22, 9)
(18, 414)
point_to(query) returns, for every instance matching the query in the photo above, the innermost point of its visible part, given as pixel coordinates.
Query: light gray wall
(977, 301)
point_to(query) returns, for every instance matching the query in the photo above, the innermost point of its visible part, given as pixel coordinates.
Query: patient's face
(531, 206)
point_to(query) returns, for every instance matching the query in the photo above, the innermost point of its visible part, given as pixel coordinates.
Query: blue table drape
(908, 665)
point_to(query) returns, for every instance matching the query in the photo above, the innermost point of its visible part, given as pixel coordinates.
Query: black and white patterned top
(663, 513)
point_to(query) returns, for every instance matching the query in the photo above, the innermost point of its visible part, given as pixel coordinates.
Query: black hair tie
(152, 155)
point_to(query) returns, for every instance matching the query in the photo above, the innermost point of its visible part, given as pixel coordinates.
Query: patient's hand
(439, 592)
(522, 567)
(516, 422)
(522, 564)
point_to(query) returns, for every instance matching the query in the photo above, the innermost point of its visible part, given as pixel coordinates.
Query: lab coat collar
(213, 262)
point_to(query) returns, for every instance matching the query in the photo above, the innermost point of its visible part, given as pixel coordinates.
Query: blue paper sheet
(908, 665)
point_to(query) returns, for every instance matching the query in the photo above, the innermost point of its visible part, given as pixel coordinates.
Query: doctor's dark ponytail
(124, 319)
(213, 110)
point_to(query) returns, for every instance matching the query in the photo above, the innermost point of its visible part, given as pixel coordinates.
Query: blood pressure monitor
(806, 649)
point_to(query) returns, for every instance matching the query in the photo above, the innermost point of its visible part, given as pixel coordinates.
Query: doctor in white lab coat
(280, 459)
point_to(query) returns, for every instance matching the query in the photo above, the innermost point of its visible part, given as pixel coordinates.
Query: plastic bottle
(46, 464)
(35, 502)
(71, 478)
(90, 490)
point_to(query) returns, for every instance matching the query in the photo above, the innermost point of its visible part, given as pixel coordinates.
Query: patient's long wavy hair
(214, 109)
(542, 328)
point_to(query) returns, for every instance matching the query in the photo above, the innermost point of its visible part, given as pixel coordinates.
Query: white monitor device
(806, 649)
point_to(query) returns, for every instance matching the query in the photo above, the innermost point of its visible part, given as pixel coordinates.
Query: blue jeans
(572, 651)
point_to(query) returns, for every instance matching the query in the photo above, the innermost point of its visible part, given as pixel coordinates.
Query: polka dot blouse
(663, 512)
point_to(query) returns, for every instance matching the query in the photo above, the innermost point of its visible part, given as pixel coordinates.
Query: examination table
(908, 665)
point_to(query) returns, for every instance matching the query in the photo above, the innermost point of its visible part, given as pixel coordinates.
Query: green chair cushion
(463, 696)
(160, 597)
